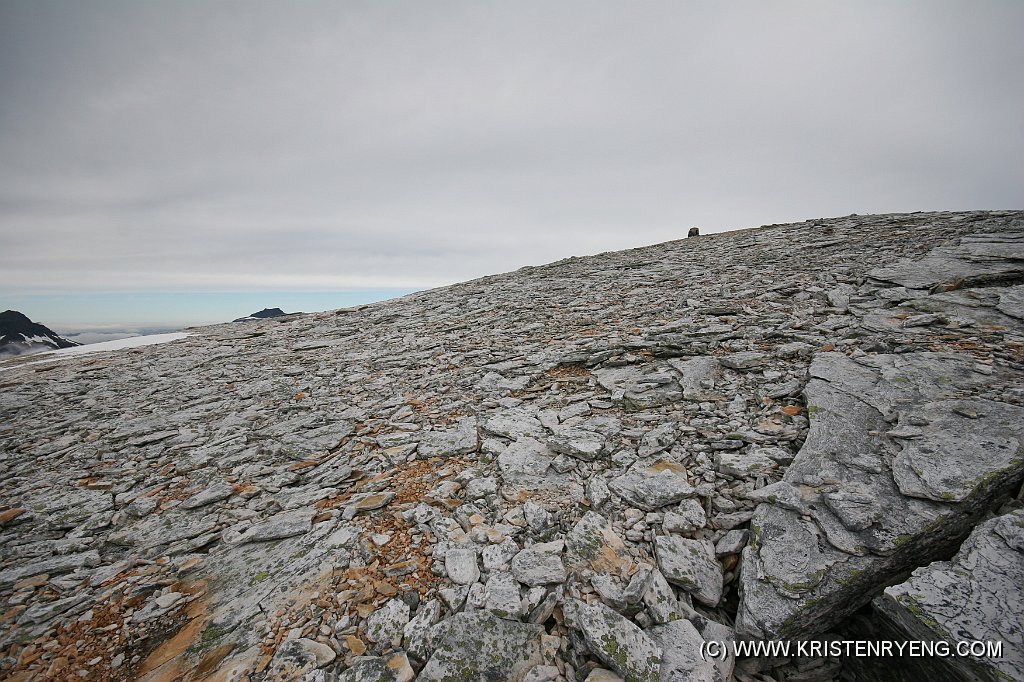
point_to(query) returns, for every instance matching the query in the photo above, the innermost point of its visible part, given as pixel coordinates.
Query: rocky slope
(583, 470)
(19, 335)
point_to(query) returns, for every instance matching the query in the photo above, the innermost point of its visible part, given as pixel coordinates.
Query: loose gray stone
(502, 596)
(451, 442)
(691, 564)
(653, 487)
(682, 647)
(394, 668)
(388, 622)
(296, 657)
(416, 633)
(744, 465)
(461, 566)
(744, 360)
(215, 493)
(619, 643)
(593, 543)
(534, 568)
(657, 440)
(660, 599)
(688, 517)
(578, 443)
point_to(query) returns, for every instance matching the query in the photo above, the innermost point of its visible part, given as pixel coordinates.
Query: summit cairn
(586, 470)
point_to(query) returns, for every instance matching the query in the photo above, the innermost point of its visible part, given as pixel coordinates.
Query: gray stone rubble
(578, 471)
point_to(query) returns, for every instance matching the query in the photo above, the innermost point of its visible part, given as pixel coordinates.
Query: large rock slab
(975, 597)
(578, 443)
(534, 568)
(298, 656)
(699, 376)
(481, 646)
(526, 463)
(897, 468)
(280, 526)
(54, 565)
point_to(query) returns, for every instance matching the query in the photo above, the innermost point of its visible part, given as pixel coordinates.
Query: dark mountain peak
(20, 335)
(269, 312)
(264, 314)
(13, 317)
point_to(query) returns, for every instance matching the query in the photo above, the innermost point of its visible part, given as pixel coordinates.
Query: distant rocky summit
(20, 335)
(265, 314)
(586, 471)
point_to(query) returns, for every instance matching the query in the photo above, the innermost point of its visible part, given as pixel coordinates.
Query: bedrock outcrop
(578, 471)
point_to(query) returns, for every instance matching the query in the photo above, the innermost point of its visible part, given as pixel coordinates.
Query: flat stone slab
(699, 376)
(57, 564)
(578, 443)
(461, 566)
(859, 508)
(527, 463)
(450, 442)
(296, 657)
(976, 596)
(514, 423)
(744, 360)
(215, 493)
(277, 527)
(682, 659)
(744, 465)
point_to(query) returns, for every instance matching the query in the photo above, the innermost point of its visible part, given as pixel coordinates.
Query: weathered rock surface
(968, 599)
(427, 486)
(904, 455)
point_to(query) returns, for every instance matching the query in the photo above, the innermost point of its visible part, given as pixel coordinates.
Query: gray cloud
(315, 145)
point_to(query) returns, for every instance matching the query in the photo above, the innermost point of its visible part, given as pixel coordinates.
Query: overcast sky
(321, 146)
